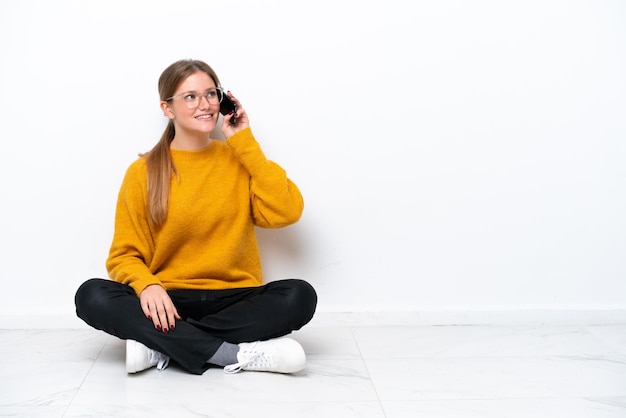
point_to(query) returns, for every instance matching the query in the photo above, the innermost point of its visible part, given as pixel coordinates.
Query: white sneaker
(280, 355)
(139, 357)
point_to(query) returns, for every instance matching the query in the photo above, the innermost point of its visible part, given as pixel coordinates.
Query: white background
(454, 155)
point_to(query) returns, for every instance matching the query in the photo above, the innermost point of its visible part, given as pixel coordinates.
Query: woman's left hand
(242, 122)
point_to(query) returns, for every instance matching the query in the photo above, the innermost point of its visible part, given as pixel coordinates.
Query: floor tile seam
(82, 382)
(369, 375)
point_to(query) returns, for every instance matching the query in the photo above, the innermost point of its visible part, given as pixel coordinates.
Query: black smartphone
(227, 106)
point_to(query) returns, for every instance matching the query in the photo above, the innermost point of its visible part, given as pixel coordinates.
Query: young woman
(187, 282)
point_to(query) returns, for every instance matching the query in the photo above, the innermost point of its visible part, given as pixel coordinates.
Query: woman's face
(200, 119)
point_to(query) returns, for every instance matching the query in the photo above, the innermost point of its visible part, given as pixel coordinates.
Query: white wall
(455, 156)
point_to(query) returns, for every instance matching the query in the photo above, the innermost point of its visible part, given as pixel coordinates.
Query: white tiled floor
(392, 372)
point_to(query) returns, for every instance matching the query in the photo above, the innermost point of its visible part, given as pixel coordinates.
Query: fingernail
(165, 330)
(158, 327)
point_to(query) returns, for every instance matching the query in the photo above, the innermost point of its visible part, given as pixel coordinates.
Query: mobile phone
(227, 106)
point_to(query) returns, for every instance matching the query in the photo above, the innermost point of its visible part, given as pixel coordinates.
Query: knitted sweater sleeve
(275, 200)
(133, 246)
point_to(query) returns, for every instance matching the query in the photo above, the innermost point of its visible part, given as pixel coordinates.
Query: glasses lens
(213, 96)
(191, 100)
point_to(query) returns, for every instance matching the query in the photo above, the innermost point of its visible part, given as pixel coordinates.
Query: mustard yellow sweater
(208, 240)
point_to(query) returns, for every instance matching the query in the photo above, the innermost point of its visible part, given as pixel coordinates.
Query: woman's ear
(167, 112)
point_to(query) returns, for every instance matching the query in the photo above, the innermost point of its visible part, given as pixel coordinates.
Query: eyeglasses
(192, 99)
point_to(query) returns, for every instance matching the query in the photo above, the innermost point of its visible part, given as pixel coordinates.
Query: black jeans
(209, 317)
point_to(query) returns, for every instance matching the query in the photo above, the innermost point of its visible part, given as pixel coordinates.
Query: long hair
(159, 162)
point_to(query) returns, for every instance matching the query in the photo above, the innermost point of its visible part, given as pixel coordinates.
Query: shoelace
(250, 356)
(162, 361)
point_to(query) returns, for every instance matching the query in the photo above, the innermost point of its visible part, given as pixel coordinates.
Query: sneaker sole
(131, 354)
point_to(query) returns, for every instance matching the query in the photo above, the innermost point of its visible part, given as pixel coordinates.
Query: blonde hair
(159, 162)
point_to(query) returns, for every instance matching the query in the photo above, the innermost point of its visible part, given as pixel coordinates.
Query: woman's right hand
(158, 306)
(229, 129)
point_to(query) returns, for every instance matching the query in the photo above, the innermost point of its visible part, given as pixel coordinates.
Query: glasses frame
(219, 90)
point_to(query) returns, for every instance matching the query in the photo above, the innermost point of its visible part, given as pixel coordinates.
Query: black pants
(209, 317)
